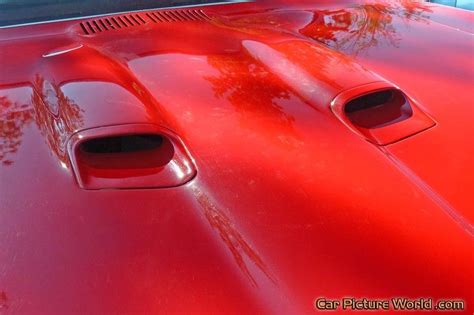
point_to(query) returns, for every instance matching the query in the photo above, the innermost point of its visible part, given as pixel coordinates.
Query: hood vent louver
(178, 16)
(104, 24)
(112, 23)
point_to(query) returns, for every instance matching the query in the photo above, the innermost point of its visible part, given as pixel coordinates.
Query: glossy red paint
(288, 203)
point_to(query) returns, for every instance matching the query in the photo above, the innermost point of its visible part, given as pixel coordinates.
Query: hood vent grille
(178, 16)
(131, 20)
(112, 23)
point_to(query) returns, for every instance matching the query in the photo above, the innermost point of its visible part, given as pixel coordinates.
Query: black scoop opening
(378, 109)
(122, 144)
(369, 101)
(138, 151)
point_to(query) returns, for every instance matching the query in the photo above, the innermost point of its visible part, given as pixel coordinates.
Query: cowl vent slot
(139, 19)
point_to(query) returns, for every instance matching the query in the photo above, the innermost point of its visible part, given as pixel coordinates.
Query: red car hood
(288, 203)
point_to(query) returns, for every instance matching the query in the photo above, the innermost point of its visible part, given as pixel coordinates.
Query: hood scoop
(380, 113)
(134, 156)
(118, 22)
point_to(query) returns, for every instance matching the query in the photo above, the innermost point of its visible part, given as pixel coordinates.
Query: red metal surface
(288, 203)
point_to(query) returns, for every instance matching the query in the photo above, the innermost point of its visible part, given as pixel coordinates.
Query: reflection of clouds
(235, 242)
(354, 30)
(56, 116)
